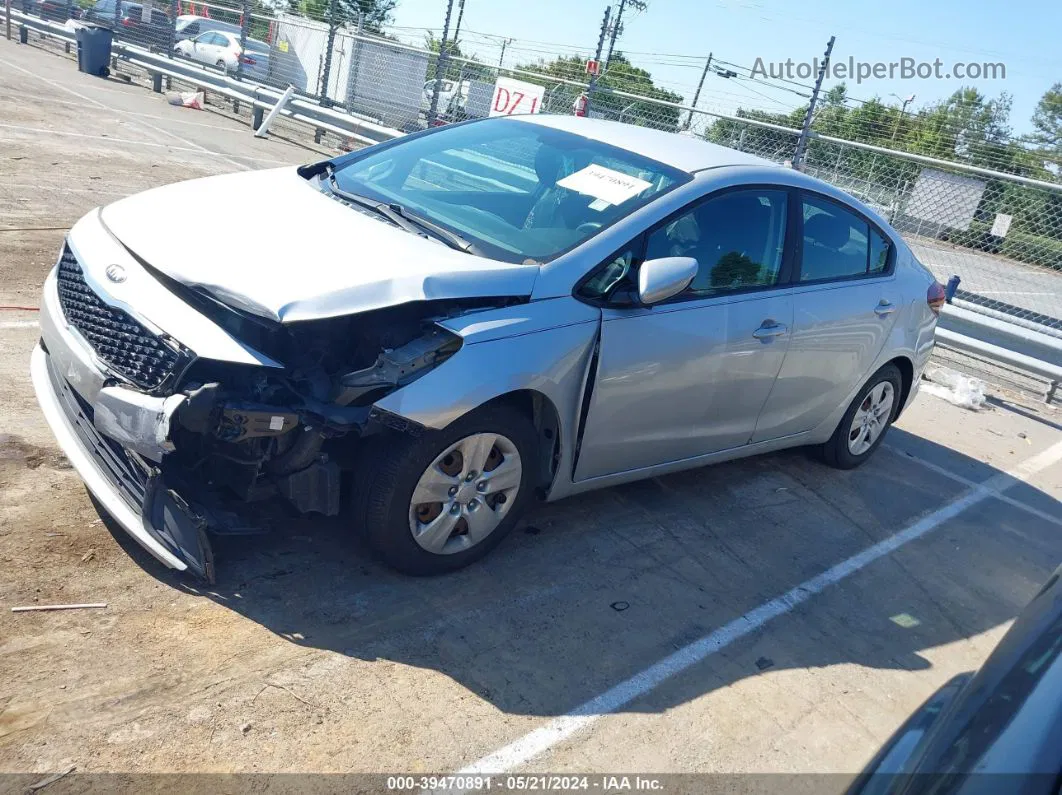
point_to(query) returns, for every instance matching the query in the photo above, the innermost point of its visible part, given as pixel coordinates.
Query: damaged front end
(246, 435)
(179, 446)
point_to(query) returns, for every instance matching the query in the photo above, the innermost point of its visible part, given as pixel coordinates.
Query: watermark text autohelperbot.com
(903, 69)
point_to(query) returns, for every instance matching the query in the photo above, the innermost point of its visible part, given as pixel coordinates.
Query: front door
(689, 377)
(845, 302)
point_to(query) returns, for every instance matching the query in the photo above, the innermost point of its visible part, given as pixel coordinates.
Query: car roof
(678, 151)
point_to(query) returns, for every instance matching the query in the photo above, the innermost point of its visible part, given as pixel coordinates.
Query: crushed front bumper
(73, 394)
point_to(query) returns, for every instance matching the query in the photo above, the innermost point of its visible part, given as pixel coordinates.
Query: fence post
(175, 11)
(245, 24)
(329, 47)
(805, 131)
(597, 57)
(440, 66)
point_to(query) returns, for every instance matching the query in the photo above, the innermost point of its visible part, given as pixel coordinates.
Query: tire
(838, 451)
(390, 469)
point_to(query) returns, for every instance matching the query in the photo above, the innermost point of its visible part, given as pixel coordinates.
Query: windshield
(518, 191)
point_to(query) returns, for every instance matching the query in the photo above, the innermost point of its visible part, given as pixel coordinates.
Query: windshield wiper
(370, 204)
(452, 239)
(401, 217)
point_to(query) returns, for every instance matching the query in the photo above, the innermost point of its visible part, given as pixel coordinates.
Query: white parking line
(113, 109)
(105, 139)
(997, 493)
(544, 738)
(4, 324)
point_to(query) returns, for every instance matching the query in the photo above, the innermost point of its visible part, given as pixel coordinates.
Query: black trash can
(94, 50)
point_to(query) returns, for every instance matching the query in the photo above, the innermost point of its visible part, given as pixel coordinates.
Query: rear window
(518, 190)
(256, 46)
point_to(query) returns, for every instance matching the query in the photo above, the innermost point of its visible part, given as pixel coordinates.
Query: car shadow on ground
(591, 590)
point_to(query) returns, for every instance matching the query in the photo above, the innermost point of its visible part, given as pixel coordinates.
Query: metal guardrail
(261, 98)
(991, 335)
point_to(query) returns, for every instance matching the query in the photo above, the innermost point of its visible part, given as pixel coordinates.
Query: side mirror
(659, 279)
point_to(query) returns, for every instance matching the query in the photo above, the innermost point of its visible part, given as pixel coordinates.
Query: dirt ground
(555, 653)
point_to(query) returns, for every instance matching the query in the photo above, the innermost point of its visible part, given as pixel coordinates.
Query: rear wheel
(439, 502)
(869, 416)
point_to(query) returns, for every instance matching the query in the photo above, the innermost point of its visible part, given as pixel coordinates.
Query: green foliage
(374, 13)
(1034, 249)
(621, 75)
(459, 66)
(1047, 122)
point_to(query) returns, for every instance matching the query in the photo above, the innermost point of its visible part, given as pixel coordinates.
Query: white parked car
(222, 49)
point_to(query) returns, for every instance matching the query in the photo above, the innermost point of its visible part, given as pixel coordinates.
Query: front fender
(544, 346)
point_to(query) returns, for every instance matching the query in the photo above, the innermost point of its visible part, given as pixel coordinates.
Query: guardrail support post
(156, 82)
(23, 34)
(256, 118)
(235, 106)
(66, 47)
(263, 128)
(318, 134)
(1051, 392)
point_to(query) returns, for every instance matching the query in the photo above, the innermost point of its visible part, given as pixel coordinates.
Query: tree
(1047, 120)
(621, 75)
(374, 14)
(459, 66)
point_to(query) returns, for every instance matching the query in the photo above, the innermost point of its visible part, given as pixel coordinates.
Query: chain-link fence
(969, 201)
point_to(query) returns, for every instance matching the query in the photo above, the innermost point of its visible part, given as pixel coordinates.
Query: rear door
(689, 376)
(845, 299)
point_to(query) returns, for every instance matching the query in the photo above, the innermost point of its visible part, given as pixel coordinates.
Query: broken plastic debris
(954, 387)
(187, 99)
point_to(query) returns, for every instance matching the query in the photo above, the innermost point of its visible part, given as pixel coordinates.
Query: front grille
(119, 341)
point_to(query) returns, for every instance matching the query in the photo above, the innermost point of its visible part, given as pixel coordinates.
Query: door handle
(884, 308)
(769, 330)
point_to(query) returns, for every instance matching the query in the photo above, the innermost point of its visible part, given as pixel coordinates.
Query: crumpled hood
(270, 243)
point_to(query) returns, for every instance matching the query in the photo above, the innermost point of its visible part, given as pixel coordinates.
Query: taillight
(127, 23)
(935, 297)
(247, 59)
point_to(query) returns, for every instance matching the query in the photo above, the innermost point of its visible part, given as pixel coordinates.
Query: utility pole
(697, 93)
(440, 65)
(501, 58)
(330, 45)
(899, 118)
(640, 5)
(802, 142)
(597, 57)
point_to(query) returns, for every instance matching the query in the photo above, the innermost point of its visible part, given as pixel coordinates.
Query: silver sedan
(464, 319)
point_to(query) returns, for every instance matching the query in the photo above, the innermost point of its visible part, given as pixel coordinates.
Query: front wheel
(439, 502)
(869, 416)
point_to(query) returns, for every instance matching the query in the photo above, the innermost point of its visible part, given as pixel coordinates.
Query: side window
(839, 244)
(879, 253)
(736, 238)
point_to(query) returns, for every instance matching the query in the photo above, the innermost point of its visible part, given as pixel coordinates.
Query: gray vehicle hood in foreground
(270, 243)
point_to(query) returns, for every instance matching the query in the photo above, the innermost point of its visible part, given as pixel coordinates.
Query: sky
(672, 39)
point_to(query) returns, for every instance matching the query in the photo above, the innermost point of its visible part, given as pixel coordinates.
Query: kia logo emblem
(116, 273)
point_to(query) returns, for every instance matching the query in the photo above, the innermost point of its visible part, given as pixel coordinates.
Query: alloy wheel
(871, 418)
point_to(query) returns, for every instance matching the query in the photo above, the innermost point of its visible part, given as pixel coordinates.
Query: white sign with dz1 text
(515, 96)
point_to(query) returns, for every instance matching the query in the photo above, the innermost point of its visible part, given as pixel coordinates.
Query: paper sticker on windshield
(602, 183)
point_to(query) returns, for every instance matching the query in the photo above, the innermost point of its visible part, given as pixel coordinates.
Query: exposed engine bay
(250, 433)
